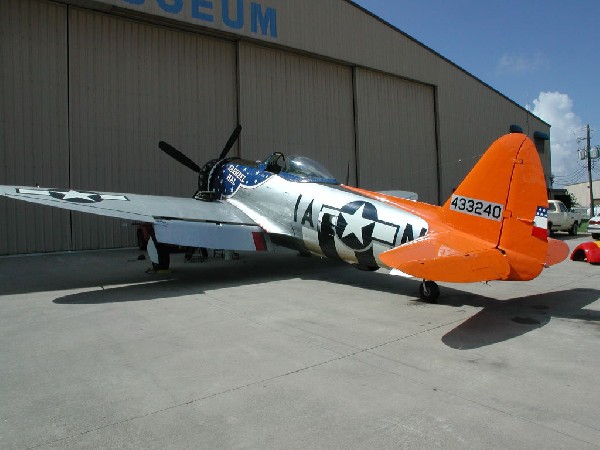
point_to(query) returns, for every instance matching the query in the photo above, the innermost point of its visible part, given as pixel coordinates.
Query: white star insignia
(70, 195)
(355, 224)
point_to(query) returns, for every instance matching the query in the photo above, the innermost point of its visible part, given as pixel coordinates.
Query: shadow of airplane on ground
(194, 279)
(497, 321)
(98, 281)
(501, 320)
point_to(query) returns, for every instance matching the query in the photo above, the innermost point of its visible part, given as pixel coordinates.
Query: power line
(574, 174)
(570, 177)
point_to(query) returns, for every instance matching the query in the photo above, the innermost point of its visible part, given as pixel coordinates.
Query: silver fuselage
(327, 219)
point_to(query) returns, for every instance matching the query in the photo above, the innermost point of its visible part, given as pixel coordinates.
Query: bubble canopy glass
(305, 170)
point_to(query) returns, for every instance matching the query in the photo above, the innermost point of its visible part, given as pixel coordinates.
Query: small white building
(581, 191)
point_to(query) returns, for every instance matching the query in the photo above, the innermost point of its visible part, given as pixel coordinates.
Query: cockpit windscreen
(303, 169)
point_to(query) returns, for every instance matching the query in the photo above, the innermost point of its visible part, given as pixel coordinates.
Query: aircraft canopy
(306, 170)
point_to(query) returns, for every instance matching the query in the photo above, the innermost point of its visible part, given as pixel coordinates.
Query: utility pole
(589, 153)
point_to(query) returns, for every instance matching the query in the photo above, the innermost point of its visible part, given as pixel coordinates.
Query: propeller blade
(234, 136)
(177, 155)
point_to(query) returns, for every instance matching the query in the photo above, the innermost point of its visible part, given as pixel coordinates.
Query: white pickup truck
(561, 219)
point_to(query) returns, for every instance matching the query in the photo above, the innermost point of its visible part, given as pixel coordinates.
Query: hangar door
(296, 105)
(86, 97)
(132, 85)
(33, 121)
(396, 129)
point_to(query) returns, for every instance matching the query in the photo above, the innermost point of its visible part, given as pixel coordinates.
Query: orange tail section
(493, 227)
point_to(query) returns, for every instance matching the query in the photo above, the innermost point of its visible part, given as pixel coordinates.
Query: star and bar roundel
(71, 195)
(357, 225)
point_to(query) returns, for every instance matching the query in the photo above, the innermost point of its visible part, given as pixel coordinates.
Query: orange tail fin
(507, 190)
(494, 225)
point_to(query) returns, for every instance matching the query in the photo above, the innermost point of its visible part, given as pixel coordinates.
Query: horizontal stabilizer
(449, 256)
(557, 251)
(407, 195)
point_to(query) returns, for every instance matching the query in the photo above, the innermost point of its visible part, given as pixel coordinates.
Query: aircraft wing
(179, 221)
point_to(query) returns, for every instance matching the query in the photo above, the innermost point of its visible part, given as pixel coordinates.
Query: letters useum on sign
(262, 20)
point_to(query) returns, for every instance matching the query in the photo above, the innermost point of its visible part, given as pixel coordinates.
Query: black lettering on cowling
(308, 215)
(423, 232)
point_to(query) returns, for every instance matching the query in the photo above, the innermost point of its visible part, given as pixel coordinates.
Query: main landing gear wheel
(429, 291)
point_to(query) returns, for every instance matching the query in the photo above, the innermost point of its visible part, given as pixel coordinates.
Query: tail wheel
(429, 291)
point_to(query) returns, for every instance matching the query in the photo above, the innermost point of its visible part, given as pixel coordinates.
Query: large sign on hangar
(252, 17)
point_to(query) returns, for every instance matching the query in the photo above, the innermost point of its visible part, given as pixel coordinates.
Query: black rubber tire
(596, 236)
(573, 229)
(429, 291)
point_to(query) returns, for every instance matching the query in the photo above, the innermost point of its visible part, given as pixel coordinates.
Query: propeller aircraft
(493, 227)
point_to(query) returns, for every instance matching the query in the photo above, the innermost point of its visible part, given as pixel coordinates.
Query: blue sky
(544, 55)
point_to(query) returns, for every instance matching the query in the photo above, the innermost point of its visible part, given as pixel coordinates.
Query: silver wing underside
(179, 221)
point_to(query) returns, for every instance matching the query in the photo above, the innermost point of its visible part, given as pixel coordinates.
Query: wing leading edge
(134, 207)
(179, 221)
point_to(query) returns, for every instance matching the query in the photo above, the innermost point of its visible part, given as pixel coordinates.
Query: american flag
(540, 223)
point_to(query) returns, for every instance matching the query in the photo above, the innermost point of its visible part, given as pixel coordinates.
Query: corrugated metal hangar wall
(89, 88)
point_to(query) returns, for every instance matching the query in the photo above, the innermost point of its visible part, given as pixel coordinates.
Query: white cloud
(521, 64)
(557, 109)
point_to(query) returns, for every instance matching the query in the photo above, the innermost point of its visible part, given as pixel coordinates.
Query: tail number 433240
(476, 207)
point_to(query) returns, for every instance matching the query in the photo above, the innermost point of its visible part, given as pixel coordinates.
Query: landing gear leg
(159, 255)
(429, 291)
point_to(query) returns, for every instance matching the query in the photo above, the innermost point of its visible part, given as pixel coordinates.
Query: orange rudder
(503, 200)
(477, 205)
(524, 236)
(493, 227)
